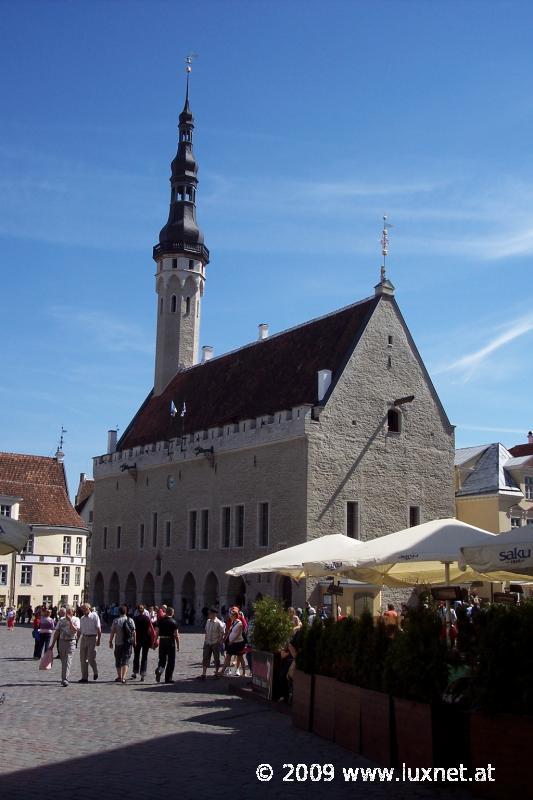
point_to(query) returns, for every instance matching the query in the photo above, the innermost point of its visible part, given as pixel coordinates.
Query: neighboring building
(494, 486)
(51, 568)
(84, 505)
(333, 425)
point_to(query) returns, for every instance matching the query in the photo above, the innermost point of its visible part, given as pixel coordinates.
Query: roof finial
(188, 70)
(384, 245)
(59, 452)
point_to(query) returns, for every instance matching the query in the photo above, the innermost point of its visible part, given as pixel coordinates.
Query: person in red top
(391, 619)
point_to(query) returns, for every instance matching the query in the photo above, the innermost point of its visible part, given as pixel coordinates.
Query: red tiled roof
(42, 484)
(269, 375)
(521, 450)
(85, 490)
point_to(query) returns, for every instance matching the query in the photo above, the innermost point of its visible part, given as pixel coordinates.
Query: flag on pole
(173, 409)
(183, 410)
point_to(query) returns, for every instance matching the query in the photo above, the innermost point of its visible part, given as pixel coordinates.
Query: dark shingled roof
(269, 375)
(41, 482)
(521, 450)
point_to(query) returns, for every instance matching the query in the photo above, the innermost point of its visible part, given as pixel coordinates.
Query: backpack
(128, 632)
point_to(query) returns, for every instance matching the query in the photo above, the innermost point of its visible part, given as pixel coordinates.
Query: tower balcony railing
(181, 247)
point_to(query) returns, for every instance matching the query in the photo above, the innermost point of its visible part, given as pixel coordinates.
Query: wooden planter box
(324, 707)
(503, 741)
(376, 726)
(302, 700)
(413, 733)
(348, 716)
(265, 674)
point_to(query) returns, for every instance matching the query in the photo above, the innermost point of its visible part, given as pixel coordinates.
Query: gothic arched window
(188, 305)
(173, 303)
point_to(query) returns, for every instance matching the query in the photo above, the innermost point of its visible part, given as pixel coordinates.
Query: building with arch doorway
(331, 426)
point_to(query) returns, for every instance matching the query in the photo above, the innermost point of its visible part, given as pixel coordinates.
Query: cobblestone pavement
(146, 740)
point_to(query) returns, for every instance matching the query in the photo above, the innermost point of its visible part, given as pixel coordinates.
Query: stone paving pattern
(149, 741)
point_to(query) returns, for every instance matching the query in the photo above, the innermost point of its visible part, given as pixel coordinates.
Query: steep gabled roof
(269, 375)
(41, 482)
(85, 490)
(489, 475)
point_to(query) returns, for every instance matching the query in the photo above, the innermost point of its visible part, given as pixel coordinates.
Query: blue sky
(312, 121)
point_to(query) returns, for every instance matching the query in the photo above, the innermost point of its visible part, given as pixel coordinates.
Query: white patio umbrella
(332, 547)
(13, 535)
(423, 554)
(510, 552)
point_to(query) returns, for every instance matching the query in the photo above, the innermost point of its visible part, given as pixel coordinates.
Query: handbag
(47, 659)
(154, 639)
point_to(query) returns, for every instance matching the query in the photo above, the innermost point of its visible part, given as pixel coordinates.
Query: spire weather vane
(63, 431)
(188, 66)
(385, 244)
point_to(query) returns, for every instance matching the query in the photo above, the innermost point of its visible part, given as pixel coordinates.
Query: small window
(389, 338)
(158, 565)
(65, 576)
(56, 572)
(193, 519)
(141, 535)
(528, 487)
(28, 547)
(515, 522)
(188, 193)
(79, 545)
(205, 529)
(66, 545)
(77, 576)
(119, 536)
(187, 305)
(239, 526)
(26, 574)
(154, 529)
(191, 264)
(3, 574)
(91, 516)
(393, 420)
(173, 303)
(226, 526)
(160, 305)
(5, 510)
(263, 532)
(414, 516)
(174, 263)
(168, 533)
(352, 520)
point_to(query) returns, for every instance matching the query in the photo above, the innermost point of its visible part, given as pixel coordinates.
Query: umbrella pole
(448, 620)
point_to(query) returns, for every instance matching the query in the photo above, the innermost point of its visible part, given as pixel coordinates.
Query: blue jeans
(42, 643)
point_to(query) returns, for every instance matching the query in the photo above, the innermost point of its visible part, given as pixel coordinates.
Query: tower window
(414, 516)
(174, 263)
(181, 193)
(393, 420)
(173, 303)
(352, 520)
(189, 193)
(187, 305)
(389, 340)
(191, 264)
(161, 305)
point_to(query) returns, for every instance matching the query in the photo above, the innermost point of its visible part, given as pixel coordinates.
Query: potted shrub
(347, 694)
(304, 678)
(323, 720)
(272, 630)
(371, 650)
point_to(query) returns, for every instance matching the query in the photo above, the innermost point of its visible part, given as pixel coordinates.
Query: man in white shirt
(65, 635)
(91, 634)
(214, 635)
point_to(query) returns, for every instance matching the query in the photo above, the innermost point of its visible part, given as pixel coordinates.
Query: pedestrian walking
(10, 619)
(169, 640)
(214, 636)
(123, 635)
(144, 639)
(66, 634)
(45, 631)
(90, 636)
(235, 643)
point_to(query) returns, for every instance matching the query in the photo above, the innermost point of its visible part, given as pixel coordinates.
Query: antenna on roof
(385, 244)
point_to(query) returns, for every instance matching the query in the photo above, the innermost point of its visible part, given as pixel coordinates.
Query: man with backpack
(123, 635)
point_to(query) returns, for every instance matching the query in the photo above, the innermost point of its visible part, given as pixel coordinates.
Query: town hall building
(332, 426)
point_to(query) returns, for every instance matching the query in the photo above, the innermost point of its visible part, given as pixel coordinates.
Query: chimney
(263, 331)
(83, 477)
(530, 437)
(324, 382)
(111, 441)
(207, 353)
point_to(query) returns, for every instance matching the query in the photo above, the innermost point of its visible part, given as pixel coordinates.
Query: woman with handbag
(45, 631)
(235, 643)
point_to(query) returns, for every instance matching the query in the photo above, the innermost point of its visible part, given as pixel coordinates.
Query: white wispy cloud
(104, 331)
(470, 362)
(488, 429)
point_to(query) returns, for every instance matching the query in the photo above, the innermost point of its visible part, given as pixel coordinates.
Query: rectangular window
(168, 533)
(104, 541)
(352, 520)
(239, 526)
(28, 547)
(77, 576)
(414, 516)
(205, 529)
(141, 535)
(154, 529)
(528, 488)
(56, 572)
(515, 522)
(530, 522)
(193, 521)
(91, 516)
(26, 574)
(226, 526)
(66, 545)
(3, 574)
(64, 600)
(5, 511)
(65, 576)
(263, 524)
(48, 600)
(75, 600)
(119, 536)
(79, 545)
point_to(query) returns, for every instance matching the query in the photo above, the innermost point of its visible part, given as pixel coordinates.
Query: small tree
(272, 625)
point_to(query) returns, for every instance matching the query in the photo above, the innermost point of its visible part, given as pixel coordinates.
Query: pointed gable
(270, 375)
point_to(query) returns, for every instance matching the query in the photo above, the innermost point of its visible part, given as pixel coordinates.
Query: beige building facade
(331, 426)
(51, 567)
